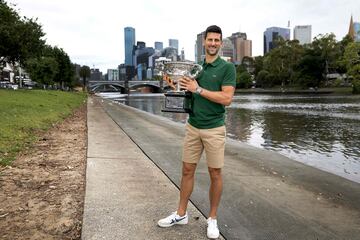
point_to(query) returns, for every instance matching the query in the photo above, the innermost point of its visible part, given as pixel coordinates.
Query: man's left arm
(223, 97)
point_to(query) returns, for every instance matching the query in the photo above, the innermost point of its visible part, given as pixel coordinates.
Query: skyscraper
(271, 34)
(129, 34)
(141, 58)
(227, 49)
(303, 34)
(113, 74)
(242, 46)
(95, 74)
(159, 46)
(244, 49)
(357, 31)
(182, 55)
(199, 47)
(175, 44)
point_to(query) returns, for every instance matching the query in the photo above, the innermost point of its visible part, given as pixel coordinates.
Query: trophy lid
(189, 69)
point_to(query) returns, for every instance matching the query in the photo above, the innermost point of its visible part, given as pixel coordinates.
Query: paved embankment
(266, 195)
(126, 193)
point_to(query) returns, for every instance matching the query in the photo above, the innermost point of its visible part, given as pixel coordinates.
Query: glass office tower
(175, 44)
(271, 34)
(129, 34)
(303, 34)
(357, 31)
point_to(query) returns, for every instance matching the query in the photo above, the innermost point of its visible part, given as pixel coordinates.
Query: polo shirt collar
(214, 63)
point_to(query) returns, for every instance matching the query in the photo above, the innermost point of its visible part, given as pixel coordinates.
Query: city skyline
(95, 37)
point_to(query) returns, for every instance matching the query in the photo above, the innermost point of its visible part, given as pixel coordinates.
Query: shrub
(356, 86)
(244, 80)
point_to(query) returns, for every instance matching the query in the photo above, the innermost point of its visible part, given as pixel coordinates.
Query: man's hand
(169, 81)
(188, 84)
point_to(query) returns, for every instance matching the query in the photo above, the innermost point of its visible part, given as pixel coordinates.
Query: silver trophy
(177, 99)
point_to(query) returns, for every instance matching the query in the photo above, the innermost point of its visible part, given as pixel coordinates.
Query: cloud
(93, 32)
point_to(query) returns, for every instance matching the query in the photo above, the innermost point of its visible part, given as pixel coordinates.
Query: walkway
(266, 195)
(126, 193)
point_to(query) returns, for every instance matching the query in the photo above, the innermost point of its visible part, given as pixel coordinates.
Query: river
(322, 131)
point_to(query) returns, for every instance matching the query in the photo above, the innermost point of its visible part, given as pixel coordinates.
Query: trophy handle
(195, 71)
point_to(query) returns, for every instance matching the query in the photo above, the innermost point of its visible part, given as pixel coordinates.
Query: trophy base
(178, 102)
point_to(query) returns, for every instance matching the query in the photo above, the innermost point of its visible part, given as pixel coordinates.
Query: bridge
(126, 86)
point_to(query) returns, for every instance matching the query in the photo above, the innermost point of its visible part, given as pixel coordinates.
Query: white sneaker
(212, 229)
(173, 219)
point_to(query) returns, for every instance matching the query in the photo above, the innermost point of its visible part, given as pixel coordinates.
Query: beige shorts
(212, 140)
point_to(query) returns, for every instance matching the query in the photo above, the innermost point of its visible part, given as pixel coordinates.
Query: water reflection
(321, 131)
(153, 103)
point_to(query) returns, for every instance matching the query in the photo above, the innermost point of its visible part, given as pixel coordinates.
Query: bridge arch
(101, 87)
(155, 88)
(126, 86)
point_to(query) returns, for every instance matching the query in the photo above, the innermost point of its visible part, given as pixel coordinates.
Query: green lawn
(24, 113)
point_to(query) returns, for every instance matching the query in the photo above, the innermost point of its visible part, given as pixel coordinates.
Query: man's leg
(187, 186)
(192, 150)
(215, 190)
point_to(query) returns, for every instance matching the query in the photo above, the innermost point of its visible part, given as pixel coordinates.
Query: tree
(258, 64)
(262, 79)
(66, 73)
(281, 61)
(54, 60)
(248, 63)
(8, 19)
(240, 69)
(20, 38)
(327, 48)
(310, 69)
(243, 77)
(341, 63)
(243, 80)
(84, 73)
(42, 70)
(21, 42)
(352, 61)
(274, 65)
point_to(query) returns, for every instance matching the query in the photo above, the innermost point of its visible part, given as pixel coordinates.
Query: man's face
(212, 43)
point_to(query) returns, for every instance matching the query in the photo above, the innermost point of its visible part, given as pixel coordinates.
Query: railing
(127, 85)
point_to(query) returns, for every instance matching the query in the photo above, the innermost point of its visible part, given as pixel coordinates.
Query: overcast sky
(92, 32)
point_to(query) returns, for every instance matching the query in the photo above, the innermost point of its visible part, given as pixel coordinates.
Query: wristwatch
(198, 90)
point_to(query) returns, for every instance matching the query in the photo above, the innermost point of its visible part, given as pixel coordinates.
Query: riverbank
(343, 91)
(42, 192)
(266, 195)
(27, 113)
(126, 193)
(322, 131)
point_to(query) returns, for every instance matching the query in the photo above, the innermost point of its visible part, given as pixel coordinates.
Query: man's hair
(213, 29)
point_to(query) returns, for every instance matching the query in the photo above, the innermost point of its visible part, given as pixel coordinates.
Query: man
(205, 130)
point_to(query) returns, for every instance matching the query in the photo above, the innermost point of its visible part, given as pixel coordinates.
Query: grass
(24, 113)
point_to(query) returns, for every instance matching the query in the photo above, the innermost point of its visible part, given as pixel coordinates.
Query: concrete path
(126, 193)
(266, 195)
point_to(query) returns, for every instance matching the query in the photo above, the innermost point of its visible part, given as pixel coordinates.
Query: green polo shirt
(205, 113)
